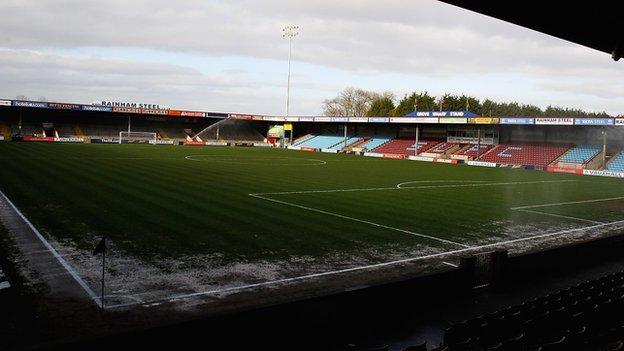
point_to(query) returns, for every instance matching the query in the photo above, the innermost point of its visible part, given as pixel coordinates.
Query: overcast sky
(230, 55)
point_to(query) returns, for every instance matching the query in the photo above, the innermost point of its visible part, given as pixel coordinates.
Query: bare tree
(350, 102)
(21, 97)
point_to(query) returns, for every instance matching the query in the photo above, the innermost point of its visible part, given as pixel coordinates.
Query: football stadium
(132, 224)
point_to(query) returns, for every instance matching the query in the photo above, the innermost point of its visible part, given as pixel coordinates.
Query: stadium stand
(322, 141)
(470, 151)
(442, 150)
(342, 144)
(376, 142)
(588, 316)
(617, 163)
(535, 154)
(78, 131)
(405, 146)
(4, 131)
(580, 154)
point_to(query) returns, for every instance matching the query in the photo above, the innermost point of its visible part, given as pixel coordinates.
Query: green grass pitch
(210, 218)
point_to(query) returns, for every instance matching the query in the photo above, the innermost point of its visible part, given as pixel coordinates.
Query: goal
(137, 137)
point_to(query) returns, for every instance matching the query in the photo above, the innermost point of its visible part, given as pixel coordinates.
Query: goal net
(136, 137)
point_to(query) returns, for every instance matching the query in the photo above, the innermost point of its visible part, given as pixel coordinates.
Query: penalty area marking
(398, 187)
(567, 203)
(367, 267)
(238, 160)
(559, 215)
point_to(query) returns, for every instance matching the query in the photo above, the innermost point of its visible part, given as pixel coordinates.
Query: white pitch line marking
(359, 220)
(567, 203)
(450, 264)
(49, 246)
(367, 267)
(560, 216)
(398, 187)
(266, 158)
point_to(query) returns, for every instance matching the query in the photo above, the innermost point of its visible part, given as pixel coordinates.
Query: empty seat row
(578, 317)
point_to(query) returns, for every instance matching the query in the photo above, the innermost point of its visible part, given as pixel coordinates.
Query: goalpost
(137, 137)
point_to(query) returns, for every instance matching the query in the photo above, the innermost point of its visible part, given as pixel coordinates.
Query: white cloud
(421, 38)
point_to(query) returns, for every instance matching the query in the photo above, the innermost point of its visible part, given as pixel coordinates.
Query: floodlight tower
(289, 32)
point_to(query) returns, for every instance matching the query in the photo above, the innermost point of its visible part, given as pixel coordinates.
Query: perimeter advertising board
(593, 121)
(379, 119)
(516, 120)
(5, 102)
(619, 122)
(96, 108)
(453, 120)
(554, 121)
(33, 104)
(483, 120)
(61, 106)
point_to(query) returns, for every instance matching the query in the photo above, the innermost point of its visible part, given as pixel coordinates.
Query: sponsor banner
(322, 119)
(308, 149)
(372, 154)
(5, 102)
(70, 140)
(162, 142)
(394, 156)
(403, 120)
(445, 160)
(553, 169)
(61, 106)
(153, 112)
(413, 120)
(443, 114)
(379, 119)
(257, 118)
(514, 120)
(217, 115)
(33, 104)
(294, 147)
(127, 109)
(291, 119)
(215, 143)
(555, 121)
(358, 119)
(619, 121)
(96, 108)
(192, 114)
(603, 173)
(195, 143)
(306, 119)
(104, 141)
(452, 120)
(330, 151)
(483, 120)
(593, 121)
(247, 117)
(480, 163)
(421, 158)
(262, 145)
(39, 139)
(340, 119)
(130, 105)
(274, 118)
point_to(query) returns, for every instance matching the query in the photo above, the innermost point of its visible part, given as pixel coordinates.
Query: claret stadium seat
(534, 154)
(405, 146)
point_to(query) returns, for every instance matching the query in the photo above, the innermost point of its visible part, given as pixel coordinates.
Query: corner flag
(100, 247)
